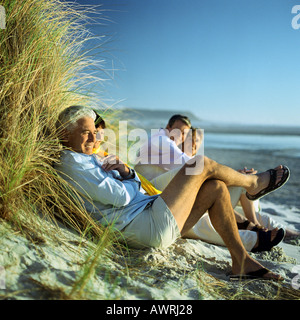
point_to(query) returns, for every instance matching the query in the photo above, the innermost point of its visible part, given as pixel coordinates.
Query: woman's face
(192, 142)
(197, 141)
(99, 137)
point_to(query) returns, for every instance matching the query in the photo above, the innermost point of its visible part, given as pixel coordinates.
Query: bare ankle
(253, 183)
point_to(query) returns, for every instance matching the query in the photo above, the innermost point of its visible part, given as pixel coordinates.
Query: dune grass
(43, 70)
(47, 64)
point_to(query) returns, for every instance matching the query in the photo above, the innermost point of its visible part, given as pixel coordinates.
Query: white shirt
(161, 151)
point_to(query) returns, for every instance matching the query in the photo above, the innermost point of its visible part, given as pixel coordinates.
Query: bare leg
(184, 188)
(241, 218)
(248, 208)
(253, 183)
(198, 197)
(215, 195)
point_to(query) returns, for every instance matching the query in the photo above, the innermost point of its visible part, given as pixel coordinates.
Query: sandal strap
(243, 225)
(258, 273)
(272, 183)
(264, 241)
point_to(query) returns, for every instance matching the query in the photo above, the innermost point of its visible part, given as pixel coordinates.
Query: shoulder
(160, 136)
(75, 158)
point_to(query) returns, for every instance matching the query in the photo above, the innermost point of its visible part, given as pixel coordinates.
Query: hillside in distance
(153, 118)
(149, 114)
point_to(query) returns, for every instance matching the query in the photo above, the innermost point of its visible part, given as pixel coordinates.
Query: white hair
(68, 118)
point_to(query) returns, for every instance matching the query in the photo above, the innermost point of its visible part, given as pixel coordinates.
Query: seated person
(165, 153)
(100, 126)
(161, 153)
(250, 209)
(111, 193)
(203, 229)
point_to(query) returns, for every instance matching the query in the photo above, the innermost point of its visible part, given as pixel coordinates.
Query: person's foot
(273, 236)
(264, 185)
(253, 269)
(291, 234)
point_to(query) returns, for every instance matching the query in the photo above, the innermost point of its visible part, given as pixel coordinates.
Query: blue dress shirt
(110, 198)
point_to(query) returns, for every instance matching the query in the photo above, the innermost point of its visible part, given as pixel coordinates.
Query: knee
(217, 186)
(199, 164)
(195, 166)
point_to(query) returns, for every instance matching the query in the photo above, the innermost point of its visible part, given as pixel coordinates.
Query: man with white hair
(111, 192)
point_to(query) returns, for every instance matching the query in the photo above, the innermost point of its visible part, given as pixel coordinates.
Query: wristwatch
(131, 174)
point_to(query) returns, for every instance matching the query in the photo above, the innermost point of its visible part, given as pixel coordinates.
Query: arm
(113, 162)
(95, 183)
(169, 153)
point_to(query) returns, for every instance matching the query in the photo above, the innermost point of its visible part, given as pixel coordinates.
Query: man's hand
(248, 171)
(113, 162)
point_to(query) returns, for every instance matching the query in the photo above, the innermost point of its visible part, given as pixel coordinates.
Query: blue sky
(232, 61)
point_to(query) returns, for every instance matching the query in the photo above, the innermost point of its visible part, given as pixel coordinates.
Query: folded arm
(99, 185)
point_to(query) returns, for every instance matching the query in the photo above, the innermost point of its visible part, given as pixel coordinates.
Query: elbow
(121, 200)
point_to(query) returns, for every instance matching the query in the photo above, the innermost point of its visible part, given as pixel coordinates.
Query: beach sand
(51, 268)
(189, 269)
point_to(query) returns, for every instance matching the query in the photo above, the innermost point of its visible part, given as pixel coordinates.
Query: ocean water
(288, 145)
(263, 152)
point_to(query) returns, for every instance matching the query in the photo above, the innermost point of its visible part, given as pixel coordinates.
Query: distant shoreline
(266, 130)
(158, 118)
